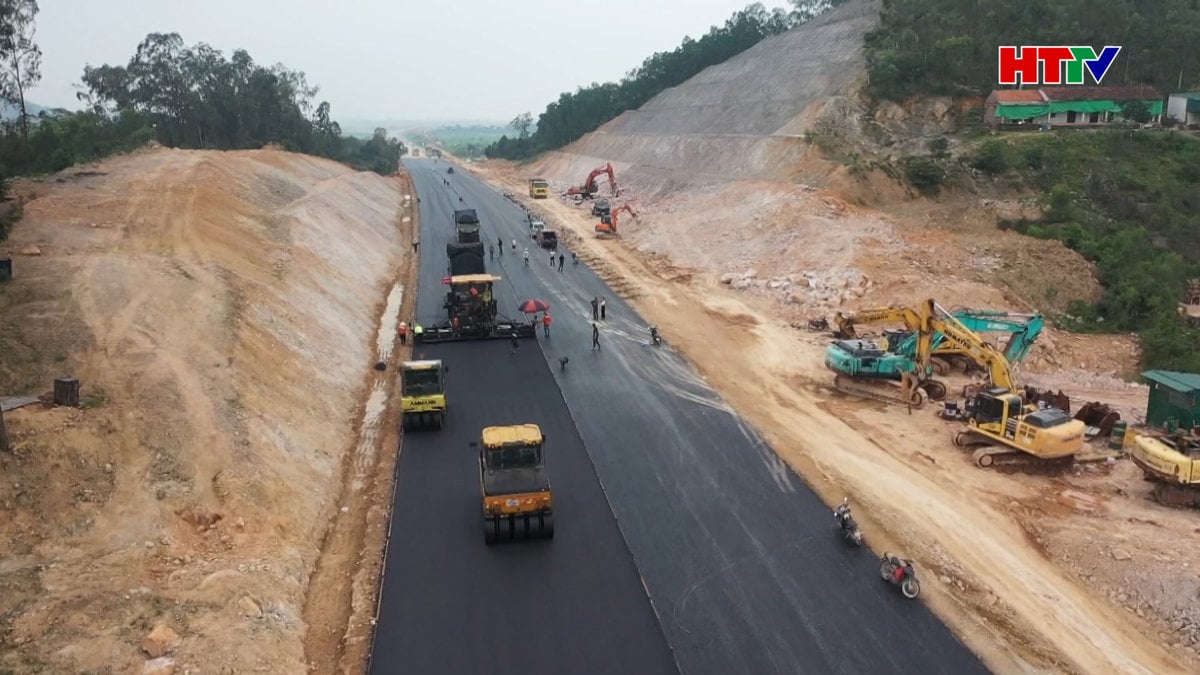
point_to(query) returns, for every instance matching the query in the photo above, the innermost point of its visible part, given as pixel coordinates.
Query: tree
(1136, 111)
(521, 124)
(20, 56)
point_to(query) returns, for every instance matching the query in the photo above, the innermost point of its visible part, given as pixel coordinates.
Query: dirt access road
(974, 532)
(223, 312)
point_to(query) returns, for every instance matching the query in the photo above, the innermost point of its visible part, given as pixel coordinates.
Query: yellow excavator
(1171, 462)
(1004, 429)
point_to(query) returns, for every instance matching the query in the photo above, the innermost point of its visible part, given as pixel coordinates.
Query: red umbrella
(534, 306)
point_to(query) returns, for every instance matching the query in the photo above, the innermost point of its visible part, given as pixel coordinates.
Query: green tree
(521, 124)
(1136, 111)
(20, 57)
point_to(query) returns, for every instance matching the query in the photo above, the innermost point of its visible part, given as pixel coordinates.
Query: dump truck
(514, 484)
(466, 225)
(464, 259)
(423, 394)
(471, 314)
(539, 188)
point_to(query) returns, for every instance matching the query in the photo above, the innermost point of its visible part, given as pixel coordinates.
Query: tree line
(949, 47)
(181, 96)
(578, 113)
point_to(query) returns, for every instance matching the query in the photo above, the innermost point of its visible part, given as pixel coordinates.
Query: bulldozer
(514, 485)
(867, 369)
(471, 314)
(608, 222)
(423, 394)
(1169, 460)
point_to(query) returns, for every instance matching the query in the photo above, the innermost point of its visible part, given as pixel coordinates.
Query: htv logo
(1054, 61)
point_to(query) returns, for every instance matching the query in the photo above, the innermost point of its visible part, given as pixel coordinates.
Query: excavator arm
(589, 186)
(845, 323)
(974, 347)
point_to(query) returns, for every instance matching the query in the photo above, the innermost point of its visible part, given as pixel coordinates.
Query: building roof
(1011, 96)
(1190, 95)
(1100, 93)
(1181, 382)
(518, 434)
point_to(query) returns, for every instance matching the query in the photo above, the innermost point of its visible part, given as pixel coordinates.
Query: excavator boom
(589, 186)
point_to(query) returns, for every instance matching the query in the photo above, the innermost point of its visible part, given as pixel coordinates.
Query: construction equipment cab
(423, 394)
(1014, 433)
(535, 227)
(539, 188)
(601, 207)
(514, 484)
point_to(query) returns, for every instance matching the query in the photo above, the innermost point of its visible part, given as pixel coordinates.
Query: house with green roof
(1067, 106)
(1184, 107)
(1173, 396)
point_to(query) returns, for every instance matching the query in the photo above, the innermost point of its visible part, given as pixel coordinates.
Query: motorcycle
(654, 336)
(897, 571)
(846, 521)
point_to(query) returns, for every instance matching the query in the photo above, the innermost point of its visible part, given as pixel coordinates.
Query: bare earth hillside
(745, 232)
(221, 311)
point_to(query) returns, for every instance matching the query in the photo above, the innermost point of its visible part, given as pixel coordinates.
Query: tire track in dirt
(340, 605)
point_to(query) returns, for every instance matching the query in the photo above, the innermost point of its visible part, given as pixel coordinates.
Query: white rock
(164, 665)
(750, 273)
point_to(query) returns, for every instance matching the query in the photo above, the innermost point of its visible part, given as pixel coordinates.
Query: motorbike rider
(842, 513)
(654, 335)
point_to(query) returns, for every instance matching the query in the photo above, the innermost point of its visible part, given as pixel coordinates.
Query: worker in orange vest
(402, 331)
(546, 324)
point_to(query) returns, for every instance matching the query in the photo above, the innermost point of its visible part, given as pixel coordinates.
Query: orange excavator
(590, 187)
(608, 223)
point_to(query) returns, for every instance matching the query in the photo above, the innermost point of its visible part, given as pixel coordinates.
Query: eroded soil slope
(220, 311)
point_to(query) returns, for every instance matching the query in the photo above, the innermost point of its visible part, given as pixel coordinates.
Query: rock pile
(810, 290)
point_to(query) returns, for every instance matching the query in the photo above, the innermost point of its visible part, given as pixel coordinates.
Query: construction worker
(492, 251)
(552, 258)
(402, 331)
(546, 324)
(500, 245)
(595, 309)
(602, 309)
(561, 259)
(515, 246)
(417, 331)
(526, 255)
(595, 336)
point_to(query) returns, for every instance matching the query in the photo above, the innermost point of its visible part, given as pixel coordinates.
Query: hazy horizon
(426, 63)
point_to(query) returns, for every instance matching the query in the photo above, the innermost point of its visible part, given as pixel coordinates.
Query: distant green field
(465, 141)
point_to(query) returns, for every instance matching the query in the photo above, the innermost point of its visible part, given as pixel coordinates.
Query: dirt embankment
(221, 311)
(1030, 569)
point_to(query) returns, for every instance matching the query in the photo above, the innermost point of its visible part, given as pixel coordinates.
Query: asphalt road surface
(742, 562)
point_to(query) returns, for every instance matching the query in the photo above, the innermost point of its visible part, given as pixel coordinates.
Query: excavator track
(990, 454)
(1181, 496)
(883, 391)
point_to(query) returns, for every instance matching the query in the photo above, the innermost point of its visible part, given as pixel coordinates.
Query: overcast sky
(403, 59)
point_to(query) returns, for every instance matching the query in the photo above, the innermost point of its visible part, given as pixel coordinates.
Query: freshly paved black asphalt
(452, 604)
(741, 560)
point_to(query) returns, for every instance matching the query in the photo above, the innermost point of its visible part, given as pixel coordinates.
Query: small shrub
(992, 157)
(924, 174)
